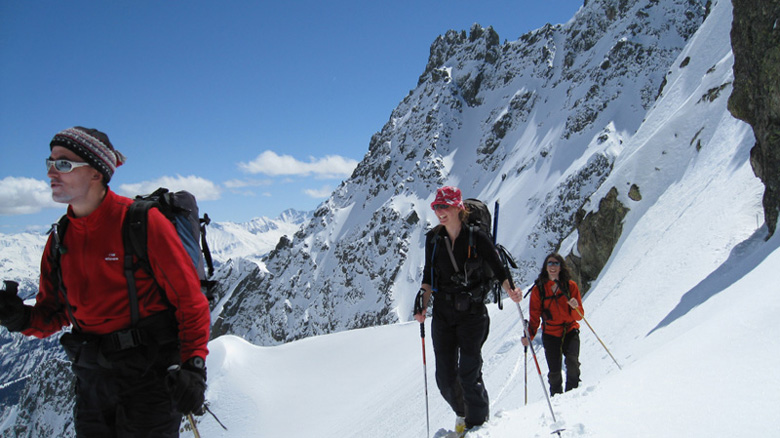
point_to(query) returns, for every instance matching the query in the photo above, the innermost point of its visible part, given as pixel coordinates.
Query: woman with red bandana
(555, 301)
(460, 326)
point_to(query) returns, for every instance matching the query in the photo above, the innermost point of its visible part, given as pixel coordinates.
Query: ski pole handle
(11, 287)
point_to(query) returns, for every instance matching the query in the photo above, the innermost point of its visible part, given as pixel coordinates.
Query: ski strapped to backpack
(480, 218)
(506, 257)
(181, 209)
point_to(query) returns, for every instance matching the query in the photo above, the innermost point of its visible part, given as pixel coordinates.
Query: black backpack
(181, 209)
(480, 218)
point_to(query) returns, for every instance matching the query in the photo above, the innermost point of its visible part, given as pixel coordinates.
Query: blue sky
(255, 106)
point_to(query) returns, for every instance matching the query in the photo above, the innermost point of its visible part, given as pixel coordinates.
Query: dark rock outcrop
(599, 232)
(755, 41)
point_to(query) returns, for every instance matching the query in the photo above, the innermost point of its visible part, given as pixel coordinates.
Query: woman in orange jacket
(555, 299)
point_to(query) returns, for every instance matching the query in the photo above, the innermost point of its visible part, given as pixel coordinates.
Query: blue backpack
(181, 209)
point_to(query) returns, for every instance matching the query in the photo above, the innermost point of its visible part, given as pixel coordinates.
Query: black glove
(187, 385)
(14, 314)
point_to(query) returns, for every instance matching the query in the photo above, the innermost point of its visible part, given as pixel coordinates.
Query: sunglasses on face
(551, 263)
(441, 207)
(63, 166)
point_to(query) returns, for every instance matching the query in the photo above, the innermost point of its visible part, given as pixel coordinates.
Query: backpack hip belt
(159, 329)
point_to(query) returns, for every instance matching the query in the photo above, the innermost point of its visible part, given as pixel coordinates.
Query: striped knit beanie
(91, 145)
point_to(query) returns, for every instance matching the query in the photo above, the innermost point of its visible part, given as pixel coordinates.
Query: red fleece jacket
(93, 274)
(563, 316)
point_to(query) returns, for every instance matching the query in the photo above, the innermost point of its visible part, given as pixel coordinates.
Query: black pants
(457, 344)
(122, 393)
(555, 349)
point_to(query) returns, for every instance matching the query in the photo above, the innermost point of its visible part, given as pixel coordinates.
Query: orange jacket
(554, 311)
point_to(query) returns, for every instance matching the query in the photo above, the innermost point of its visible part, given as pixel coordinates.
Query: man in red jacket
(124, 385)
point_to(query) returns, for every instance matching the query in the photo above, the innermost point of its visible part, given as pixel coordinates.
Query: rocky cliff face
(755, 41)
(537, 122)
(599, 232)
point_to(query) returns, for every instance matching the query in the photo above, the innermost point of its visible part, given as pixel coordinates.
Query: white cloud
(203, 189)
(243, 183)
(272, 164)
(322, 192)
(24, 196)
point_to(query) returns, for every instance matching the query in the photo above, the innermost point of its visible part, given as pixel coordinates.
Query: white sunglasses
(63, 166)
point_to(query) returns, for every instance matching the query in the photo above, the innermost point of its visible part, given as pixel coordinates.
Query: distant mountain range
(20, 254)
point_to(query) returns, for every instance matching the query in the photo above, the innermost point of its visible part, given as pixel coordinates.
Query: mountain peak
(482, 44)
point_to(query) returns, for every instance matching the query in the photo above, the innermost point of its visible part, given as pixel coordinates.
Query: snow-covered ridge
(20, 259)
(254, 239)
(20, 253)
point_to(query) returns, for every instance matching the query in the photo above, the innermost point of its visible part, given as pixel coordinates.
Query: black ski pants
(555, 349)
(123, 394)
(457, 344)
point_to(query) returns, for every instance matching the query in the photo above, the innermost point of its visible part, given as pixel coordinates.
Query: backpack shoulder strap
(432, 237)
(452, 256)
(564, 288)
(135, 227)
(134, 238)
(58, 232)
(542, 293)
(57, 250)
(471, 241)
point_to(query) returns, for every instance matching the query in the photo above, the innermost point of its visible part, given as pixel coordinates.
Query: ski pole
(194, 427)
(597, 337)
(421, 308)
(536, 361)
(425, 377)
(206, 407)
(525, 374)
(525, 327)
(591, 329)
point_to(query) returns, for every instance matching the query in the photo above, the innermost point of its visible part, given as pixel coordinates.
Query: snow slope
(685, 304)
(707, 373)
(687, 318)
